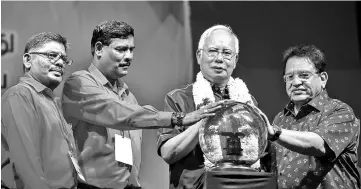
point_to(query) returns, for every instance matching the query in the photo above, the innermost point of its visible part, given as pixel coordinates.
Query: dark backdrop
(266, 29)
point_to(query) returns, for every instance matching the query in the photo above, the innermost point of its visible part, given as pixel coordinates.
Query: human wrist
(275, 133)
(177, 118)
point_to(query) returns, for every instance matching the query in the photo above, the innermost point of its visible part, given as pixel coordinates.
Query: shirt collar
(317, 102)
(224, 94)
(97, 74)
(94, 71)
(39, 87)
(320, 100)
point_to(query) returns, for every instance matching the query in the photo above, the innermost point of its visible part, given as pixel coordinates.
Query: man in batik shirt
(316, 137)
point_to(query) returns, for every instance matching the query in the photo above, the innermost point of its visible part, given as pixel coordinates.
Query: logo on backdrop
(8, 43)
(8, 49)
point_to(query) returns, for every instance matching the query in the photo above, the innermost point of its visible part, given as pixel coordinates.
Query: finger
(214, 108)
(207, 115)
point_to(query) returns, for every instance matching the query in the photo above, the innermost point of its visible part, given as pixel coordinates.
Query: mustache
(124, 64)
(57, 69)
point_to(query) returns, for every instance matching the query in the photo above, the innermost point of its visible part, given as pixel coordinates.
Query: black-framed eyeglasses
(303, 76)
(54, 57)
(213, 53)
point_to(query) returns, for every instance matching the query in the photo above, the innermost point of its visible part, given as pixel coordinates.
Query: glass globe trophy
(233, 141)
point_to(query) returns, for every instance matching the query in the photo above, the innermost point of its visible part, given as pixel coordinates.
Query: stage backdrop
(162, 59)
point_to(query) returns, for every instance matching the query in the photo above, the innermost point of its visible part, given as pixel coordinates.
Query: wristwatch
(179, 118)
(278, 131)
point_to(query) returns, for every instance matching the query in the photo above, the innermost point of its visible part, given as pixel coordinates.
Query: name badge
(76, 166)
(123, 150)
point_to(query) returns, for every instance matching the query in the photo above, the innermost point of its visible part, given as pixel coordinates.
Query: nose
(219, 57)
(60, 63)
(128, 56)
(296, 81)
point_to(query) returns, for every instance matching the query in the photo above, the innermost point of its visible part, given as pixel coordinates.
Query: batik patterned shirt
(336, 123)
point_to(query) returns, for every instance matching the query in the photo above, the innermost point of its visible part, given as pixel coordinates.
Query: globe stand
(230, 174)
(238, 178)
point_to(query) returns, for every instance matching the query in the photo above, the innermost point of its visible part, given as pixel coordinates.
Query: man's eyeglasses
(54, 57)
(213, 53)
(303, 76)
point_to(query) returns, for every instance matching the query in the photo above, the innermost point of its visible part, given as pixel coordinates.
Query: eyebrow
(299, 71)
(219, 48)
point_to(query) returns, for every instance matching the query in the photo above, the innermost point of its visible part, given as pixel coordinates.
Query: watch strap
(179, 118)
(278, 131)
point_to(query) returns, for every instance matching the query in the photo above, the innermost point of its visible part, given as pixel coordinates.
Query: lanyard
(63, 127)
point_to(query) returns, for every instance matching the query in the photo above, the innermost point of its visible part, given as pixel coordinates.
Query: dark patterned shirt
(336, 123)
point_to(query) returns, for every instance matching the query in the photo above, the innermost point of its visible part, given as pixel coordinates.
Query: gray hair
(208, 32)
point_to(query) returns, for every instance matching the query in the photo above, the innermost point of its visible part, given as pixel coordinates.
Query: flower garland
(203, 95)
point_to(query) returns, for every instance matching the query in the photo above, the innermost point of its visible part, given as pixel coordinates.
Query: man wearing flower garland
(316, 137)
(217, 56)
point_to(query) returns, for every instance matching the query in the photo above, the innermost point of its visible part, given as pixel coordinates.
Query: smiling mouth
(58, 71)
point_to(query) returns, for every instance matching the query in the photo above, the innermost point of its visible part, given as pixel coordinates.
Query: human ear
(235, 61)
(98, 49)
(27, 60)
(324, 78)
(198, 55)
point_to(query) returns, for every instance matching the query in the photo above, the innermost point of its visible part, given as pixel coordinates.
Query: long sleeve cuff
(165, 118)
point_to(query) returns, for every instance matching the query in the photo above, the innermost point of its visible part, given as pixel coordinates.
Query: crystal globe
(237, 134)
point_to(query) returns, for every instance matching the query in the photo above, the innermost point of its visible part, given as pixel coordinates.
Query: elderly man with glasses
(217, 56)
(315, 137)
(34, 132)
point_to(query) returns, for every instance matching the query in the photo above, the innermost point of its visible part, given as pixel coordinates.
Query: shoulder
(336, 105)
(18, 90)
(183, 90)
(181, 98)
(78, 78)
(19, 95)
(78, 75)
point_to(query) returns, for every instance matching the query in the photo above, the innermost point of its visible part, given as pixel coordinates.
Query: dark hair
(40, 39)
(108, 30)
(310, 52)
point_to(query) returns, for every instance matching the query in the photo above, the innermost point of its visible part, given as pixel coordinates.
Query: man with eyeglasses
(217, 56)
(103, 111)
(39, 141)
(315, 137)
